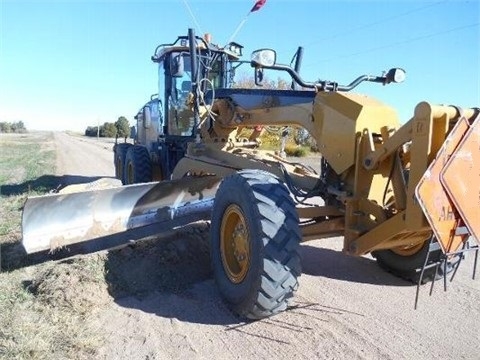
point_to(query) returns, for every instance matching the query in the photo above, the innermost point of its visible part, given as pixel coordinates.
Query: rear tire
(255, 240)
(409, 267)
(120, 153)
(138, 166)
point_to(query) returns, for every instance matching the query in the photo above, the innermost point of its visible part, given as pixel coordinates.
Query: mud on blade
(56, 221)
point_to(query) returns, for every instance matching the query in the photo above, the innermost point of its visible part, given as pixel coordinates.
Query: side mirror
(176, 65)
(263, 57)
(259, 77)
(395, 75)
(147, 118)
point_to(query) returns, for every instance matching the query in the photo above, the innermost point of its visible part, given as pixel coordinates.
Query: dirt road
(80, 157)
(163, 304)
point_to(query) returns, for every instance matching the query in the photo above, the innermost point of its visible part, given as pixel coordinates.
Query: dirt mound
(168, 264)
(77, 284)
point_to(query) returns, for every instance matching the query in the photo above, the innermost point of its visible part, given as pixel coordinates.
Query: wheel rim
(408, 250)
(130, 170)
(235, 244)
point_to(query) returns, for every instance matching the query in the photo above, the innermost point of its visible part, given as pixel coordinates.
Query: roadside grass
(43, 308)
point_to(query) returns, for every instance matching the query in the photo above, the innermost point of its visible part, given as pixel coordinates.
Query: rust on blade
(95, 231)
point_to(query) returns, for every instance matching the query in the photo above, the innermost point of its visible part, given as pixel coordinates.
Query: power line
(398, 43)
(366, 26)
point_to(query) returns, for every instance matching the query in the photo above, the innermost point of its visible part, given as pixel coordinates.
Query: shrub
(295, 150)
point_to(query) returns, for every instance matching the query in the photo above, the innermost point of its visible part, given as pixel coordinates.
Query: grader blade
(95, 218)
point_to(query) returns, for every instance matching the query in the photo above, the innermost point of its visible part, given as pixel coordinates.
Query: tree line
(12, 127)
(120, 128)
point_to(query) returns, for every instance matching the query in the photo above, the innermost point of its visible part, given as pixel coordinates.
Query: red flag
(258, 5)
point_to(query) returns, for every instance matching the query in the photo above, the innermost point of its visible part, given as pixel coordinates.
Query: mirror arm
(298, 65)
(290, 71)
(323, 85)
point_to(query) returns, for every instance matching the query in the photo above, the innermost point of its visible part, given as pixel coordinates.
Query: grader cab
(408, 193)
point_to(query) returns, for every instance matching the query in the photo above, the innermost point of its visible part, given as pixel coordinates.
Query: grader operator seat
(186, 88)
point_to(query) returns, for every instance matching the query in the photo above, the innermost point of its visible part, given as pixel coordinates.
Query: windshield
(180, 115)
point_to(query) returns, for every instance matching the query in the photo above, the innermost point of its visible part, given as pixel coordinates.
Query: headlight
(235, 49)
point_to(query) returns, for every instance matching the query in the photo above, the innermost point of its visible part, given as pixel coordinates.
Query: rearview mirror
(147, 119)
(176, 66)
(395, 75)
(263, 57)
(259, 77)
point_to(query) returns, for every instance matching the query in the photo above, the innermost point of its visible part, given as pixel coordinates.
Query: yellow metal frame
(377, 161)
(418, 141)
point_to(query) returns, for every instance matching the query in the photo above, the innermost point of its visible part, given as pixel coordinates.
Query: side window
(161, 95)
(215, 74)
(139, 118)
(154, 115)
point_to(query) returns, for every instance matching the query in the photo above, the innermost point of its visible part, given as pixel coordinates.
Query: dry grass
(44, 308)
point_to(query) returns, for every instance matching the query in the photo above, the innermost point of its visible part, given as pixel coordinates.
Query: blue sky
(68, 64)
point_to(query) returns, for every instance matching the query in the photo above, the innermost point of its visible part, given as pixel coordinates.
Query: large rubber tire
(409, 267)
(120, 153)
(138, 166)
(258, 280)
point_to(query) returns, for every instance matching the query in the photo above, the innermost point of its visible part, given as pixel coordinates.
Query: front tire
(138, 166)
(255, 240)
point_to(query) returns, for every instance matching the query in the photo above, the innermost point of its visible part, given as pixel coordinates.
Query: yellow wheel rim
(235, 244)
(408, 250)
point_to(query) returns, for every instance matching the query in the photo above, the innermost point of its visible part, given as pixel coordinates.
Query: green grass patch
(271, 140)
(27, 163)
(44, 308)
(296, 150)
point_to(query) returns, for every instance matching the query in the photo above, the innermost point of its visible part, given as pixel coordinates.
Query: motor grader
(408, 194)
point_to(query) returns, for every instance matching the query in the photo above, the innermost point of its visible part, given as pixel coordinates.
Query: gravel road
(166, 305)
(83, 159)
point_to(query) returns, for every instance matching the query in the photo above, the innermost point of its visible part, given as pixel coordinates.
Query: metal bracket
(443, 261)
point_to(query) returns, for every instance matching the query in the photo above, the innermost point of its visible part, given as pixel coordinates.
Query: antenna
(238, 28)
(258, 4)
(197, 25)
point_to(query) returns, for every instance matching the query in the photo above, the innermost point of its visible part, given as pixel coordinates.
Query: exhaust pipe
(86, 222)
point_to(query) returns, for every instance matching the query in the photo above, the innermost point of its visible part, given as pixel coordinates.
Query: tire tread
(281, 262)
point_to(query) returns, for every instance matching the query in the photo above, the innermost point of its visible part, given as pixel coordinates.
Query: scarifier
(400, 192)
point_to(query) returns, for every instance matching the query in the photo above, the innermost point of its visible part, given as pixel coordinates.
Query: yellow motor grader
(408, 194)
